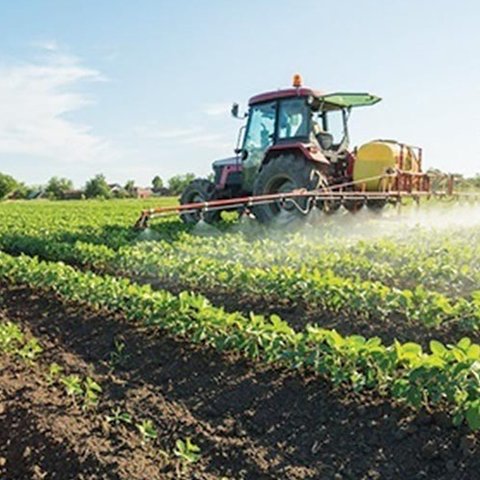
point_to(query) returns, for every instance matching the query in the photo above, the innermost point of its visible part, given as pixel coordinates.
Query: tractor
(293, 155)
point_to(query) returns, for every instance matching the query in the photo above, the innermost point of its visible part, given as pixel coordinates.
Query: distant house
(161, 192)
(140, 192)
(36, 194)
(74, 195)
(116, 189)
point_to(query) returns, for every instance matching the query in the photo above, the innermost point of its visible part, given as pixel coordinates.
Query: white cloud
(49, 45)
(156, 132)
(215, 109)
(34, 98)
(207, 140)
(196, 136)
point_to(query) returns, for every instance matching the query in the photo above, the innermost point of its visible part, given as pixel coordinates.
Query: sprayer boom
(305, 200)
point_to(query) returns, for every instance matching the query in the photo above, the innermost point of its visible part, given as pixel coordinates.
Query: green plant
(118, 416)
(147, 430)
(30, 350)
(73, 385)
(187, 451)
(54, 371)
(118, 356)
(92, 390)
(10, 337)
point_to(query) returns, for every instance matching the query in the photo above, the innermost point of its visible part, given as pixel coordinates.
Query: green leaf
(464, 343)
(437, 348)
(473, 415)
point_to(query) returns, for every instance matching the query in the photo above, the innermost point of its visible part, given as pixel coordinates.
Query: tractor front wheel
(200, 190)
(284, 174)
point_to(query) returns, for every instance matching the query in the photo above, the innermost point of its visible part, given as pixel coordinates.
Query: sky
(138, 89)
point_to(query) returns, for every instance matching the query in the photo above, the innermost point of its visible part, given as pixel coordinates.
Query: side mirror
(243, 153)
(235, 109)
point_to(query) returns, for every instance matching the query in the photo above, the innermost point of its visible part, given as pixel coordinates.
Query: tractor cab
(292, 156)
(299, 119)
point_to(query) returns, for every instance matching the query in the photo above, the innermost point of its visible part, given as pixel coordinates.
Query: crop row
(447, 377)
(451, 267)
(321, 289)
(446, 261)
(97, 222)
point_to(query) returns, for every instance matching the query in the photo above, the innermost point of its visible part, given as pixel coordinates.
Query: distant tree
(7, 185)
(467, 183)
(178, 183)
(130, 188)
(157, 183)
(97, 187)
(476, 181)
(58, 187)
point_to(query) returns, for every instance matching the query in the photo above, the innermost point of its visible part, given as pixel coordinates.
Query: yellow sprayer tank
(376, 158)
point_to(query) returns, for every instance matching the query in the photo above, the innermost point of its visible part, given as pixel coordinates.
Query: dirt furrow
(251, 421)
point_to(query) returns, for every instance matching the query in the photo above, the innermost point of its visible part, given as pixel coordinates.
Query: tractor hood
(227, 170)
(224, 162)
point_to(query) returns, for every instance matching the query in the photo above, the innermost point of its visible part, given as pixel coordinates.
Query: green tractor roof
(330, 101)
(348, 100)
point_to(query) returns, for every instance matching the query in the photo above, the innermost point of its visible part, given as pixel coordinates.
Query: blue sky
(135, 89)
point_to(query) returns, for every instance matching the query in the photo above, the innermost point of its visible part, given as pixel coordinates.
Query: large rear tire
(281, 175)
(200, 190)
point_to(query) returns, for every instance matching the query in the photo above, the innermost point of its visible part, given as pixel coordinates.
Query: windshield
(261, 127)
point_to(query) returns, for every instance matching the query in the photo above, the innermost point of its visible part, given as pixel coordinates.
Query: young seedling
(54, 371)
(118, 357)
(10, 337)
(92, 390)
(147, 430)
(30, 350)
(187, 451)
(73, 385)
(117, 417)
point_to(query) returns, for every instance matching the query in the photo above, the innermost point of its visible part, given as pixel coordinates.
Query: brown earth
(250, 421)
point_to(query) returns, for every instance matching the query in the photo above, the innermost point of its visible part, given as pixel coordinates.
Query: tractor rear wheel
(200, 190)
(284, 174)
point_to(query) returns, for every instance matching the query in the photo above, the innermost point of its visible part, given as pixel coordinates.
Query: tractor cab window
(336, 126)
(331, 122)
(293, 118)
(261, 127)
(258, 138)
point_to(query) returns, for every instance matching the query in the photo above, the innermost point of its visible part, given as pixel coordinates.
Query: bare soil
(250, 421)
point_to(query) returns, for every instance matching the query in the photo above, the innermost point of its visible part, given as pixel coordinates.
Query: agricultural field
(348, 348)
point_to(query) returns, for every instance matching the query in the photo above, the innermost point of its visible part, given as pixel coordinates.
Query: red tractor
(293, 155)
